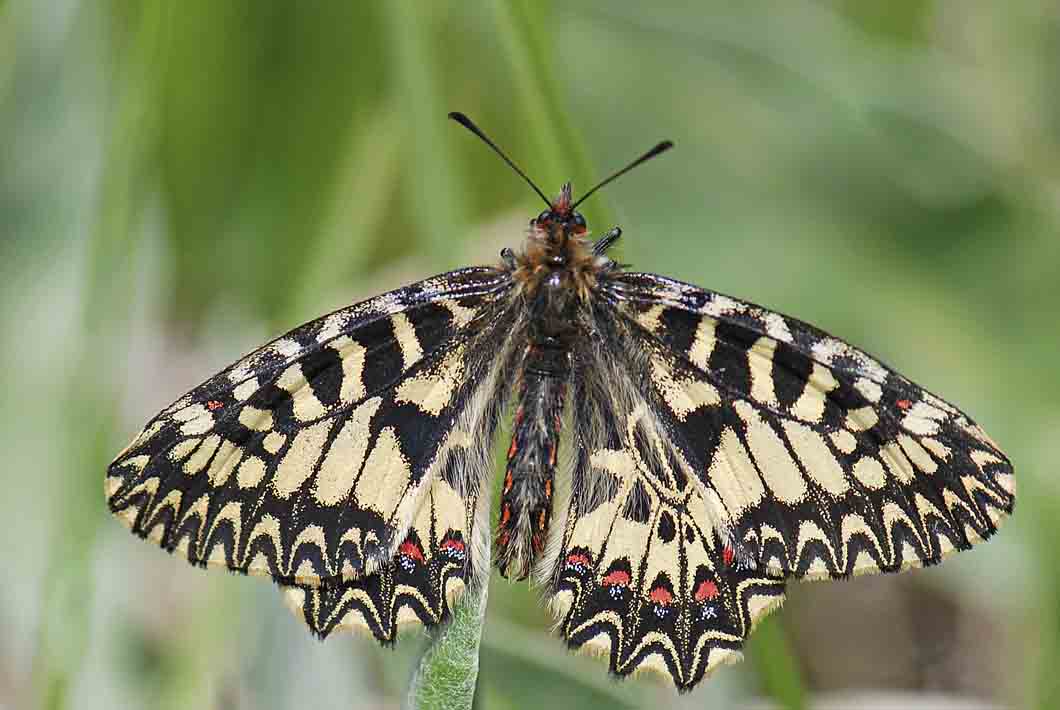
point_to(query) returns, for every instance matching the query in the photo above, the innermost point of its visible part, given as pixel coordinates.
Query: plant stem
(445, 678)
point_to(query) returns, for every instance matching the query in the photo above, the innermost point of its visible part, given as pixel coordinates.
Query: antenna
(660, 148)
(466, 123)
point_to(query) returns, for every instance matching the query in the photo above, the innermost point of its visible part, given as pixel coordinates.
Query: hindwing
(645, 574)
(310, 459)
(645, 571)
(826, 462)
(430, 569)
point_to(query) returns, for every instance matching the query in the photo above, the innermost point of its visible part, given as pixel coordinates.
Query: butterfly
(714, 451)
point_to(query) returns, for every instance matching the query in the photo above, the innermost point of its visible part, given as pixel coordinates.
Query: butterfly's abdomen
(529, 479)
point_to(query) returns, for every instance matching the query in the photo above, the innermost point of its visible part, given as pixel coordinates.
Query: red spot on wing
(213, 405)
(727, 554)
(661, 595)
(618, 577)
(452, 545)
(706, 591)
(904, 404)
(512, 449)
(411, 549)
(508, 480)
(576, 558)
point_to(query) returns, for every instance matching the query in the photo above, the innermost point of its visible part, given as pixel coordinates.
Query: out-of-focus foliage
(179, 181)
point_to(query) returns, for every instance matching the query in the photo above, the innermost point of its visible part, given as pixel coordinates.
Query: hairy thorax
(549, 254)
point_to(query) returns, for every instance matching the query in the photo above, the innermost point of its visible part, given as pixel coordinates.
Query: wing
(721, 449)
(644, 573)
(826, 462)
(310, 459)
(445, 549)
(432, 566)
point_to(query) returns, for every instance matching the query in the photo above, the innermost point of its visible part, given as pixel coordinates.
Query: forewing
(309, 459)
(826, 462)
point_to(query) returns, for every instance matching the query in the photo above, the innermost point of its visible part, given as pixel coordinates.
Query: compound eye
(578, 220)
(544, 216)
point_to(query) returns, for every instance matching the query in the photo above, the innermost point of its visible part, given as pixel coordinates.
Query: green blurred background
(180, 181)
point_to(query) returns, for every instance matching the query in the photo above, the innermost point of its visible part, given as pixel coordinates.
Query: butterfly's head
(560, 219)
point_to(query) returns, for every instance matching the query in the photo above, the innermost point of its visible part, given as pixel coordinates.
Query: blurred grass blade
(435, 196)
(445, 678)
(90, 405)
(776, 665)
(356, 213)
(560, 153)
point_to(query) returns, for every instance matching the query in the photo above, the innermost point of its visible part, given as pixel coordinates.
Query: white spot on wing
(703, 342)
(332, 327)
(817, 459)
(774, 462)
(405, 334)
(386, 475)
(245, 389)
(250, 472)
(682, 397)
(255, 419)
(760, 363)
(868, 389)
(286, 347)
(302, 455)
(733, 475)
(777, 327)
(352, 354)
(810, 404)
(844, 441)
(869, 471)
(345, 456)
(462, 315)
(432, 391)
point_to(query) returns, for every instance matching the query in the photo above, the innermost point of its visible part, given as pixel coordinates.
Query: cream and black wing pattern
(677, 457)
(340, 459)
(722, 449)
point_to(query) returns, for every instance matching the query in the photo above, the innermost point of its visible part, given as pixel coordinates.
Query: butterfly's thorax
(559, 259)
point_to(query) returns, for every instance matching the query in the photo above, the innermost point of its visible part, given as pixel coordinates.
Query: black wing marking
(308, 459)
(827, 462)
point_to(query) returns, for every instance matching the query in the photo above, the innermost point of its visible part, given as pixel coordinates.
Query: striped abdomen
(529, 481)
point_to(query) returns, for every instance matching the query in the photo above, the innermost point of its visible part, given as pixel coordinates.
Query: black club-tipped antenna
(660, 148)
(467, 123)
